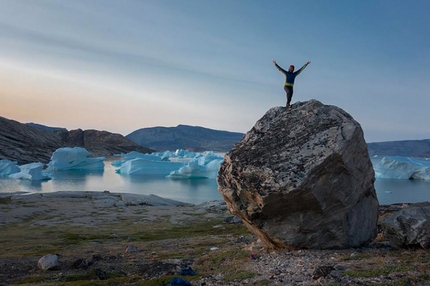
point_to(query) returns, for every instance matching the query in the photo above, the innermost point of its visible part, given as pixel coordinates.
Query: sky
(122, 65)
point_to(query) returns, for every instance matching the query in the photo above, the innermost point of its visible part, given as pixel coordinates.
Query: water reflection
(191, 191)
(392, 191)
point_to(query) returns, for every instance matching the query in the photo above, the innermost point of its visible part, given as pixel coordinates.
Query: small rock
(48, 262)
(322, 271)
(101, 274)
(233, 220)
(130, 248)
(97, 257)
(82, 263)
(336, 274)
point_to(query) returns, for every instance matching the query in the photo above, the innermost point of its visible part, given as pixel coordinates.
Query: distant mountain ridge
(49, 128)
(406, 148)
(192, 138)
(33, 142)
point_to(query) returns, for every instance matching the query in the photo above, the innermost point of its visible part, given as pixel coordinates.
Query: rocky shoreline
(103, 238)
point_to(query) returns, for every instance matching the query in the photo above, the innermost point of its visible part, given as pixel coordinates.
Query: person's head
(291, 68)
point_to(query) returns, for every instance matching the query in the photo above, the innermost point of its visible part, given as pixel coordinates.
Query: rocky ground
(120, 239)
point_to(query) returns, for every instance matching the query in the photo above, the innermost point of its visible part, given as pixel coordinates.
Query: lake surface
(191, 191)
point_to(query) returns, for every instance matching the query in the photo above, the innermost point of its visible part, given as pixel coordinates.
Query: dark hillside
(26, 143)
(407, 148)
(192, 138)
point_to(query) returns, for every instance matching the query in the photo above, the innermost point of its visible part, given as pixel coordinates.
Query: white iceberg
(162, 156)
(405, 168)
(8, 167)
(153, 156)
(75, 159)
(144, 166)
(32, 172)
(181, 164)
(201, 166)
(161, 162)
(180, 153)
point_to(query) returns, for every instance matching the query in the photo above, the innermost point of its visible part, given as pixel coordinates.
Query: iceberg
(32, 172)
(153, 156)
(404, 168)
(8, 167)
(201, 166)
(75, 158)
(179, 164)
(145, 166)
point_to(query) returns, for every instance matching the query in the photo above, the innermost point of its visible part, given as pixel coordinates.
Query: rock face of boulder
(409, 227)
(302, 178)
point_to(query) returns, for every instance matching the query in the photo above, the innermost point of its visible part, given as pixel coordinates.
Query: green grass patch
(165, 230)
(228, 261)
(379, 271)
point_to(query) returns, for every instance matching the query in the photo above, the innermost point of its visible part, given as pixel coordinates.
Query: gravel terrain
(121, 239)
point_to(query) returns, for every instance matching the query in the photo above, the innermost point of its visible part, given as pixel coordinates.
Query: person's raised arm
(302, 68)
(279, 68)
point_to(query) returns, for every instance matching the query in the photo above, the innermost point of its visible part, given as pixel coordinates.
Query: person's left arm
(302, 68)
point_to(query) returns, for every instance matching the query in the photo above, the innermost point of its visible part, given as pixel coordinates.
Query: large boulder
(409, 227)
(302, 178)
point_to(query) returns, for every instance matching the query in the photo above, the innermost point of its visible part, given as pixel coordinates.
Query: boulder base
(302, 178)
(409, 227)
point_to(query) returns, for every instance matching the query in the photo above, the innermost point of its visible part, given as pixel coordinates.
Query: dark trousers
(289, 91)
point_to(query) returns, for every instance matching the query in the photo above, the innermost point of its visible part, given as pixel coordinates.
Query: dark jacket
(290, 76)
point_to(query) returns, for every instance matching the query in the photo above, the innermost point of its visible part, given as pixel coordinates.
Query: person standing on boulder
(290, 76)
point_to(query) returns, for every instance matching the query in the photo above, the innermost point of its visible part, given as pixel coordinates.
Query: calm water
(191, 191)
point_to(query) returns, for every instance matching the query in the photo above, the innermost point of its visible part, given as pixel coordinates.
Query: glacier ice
(201, 166)
(8, 167)
(181, 164)
(152, 156)
(142, 166)
(135, 163)
(406, 168)
(32, 172)
(75, 158)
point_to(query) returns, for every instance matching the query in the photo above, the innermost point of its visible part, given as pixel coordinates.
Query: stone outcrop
(409, 227)
(302, 178)
(25, 143)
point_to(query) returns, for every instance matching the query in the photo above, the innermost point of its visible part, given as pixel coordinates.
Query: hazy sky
(123, 65)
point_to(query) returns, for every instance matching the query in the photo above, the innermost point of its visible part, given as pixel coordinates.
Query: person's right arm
(279, 68)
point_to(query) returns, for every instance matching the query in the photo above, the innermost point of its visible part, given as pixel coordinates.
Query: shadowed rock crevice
(302, 178)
